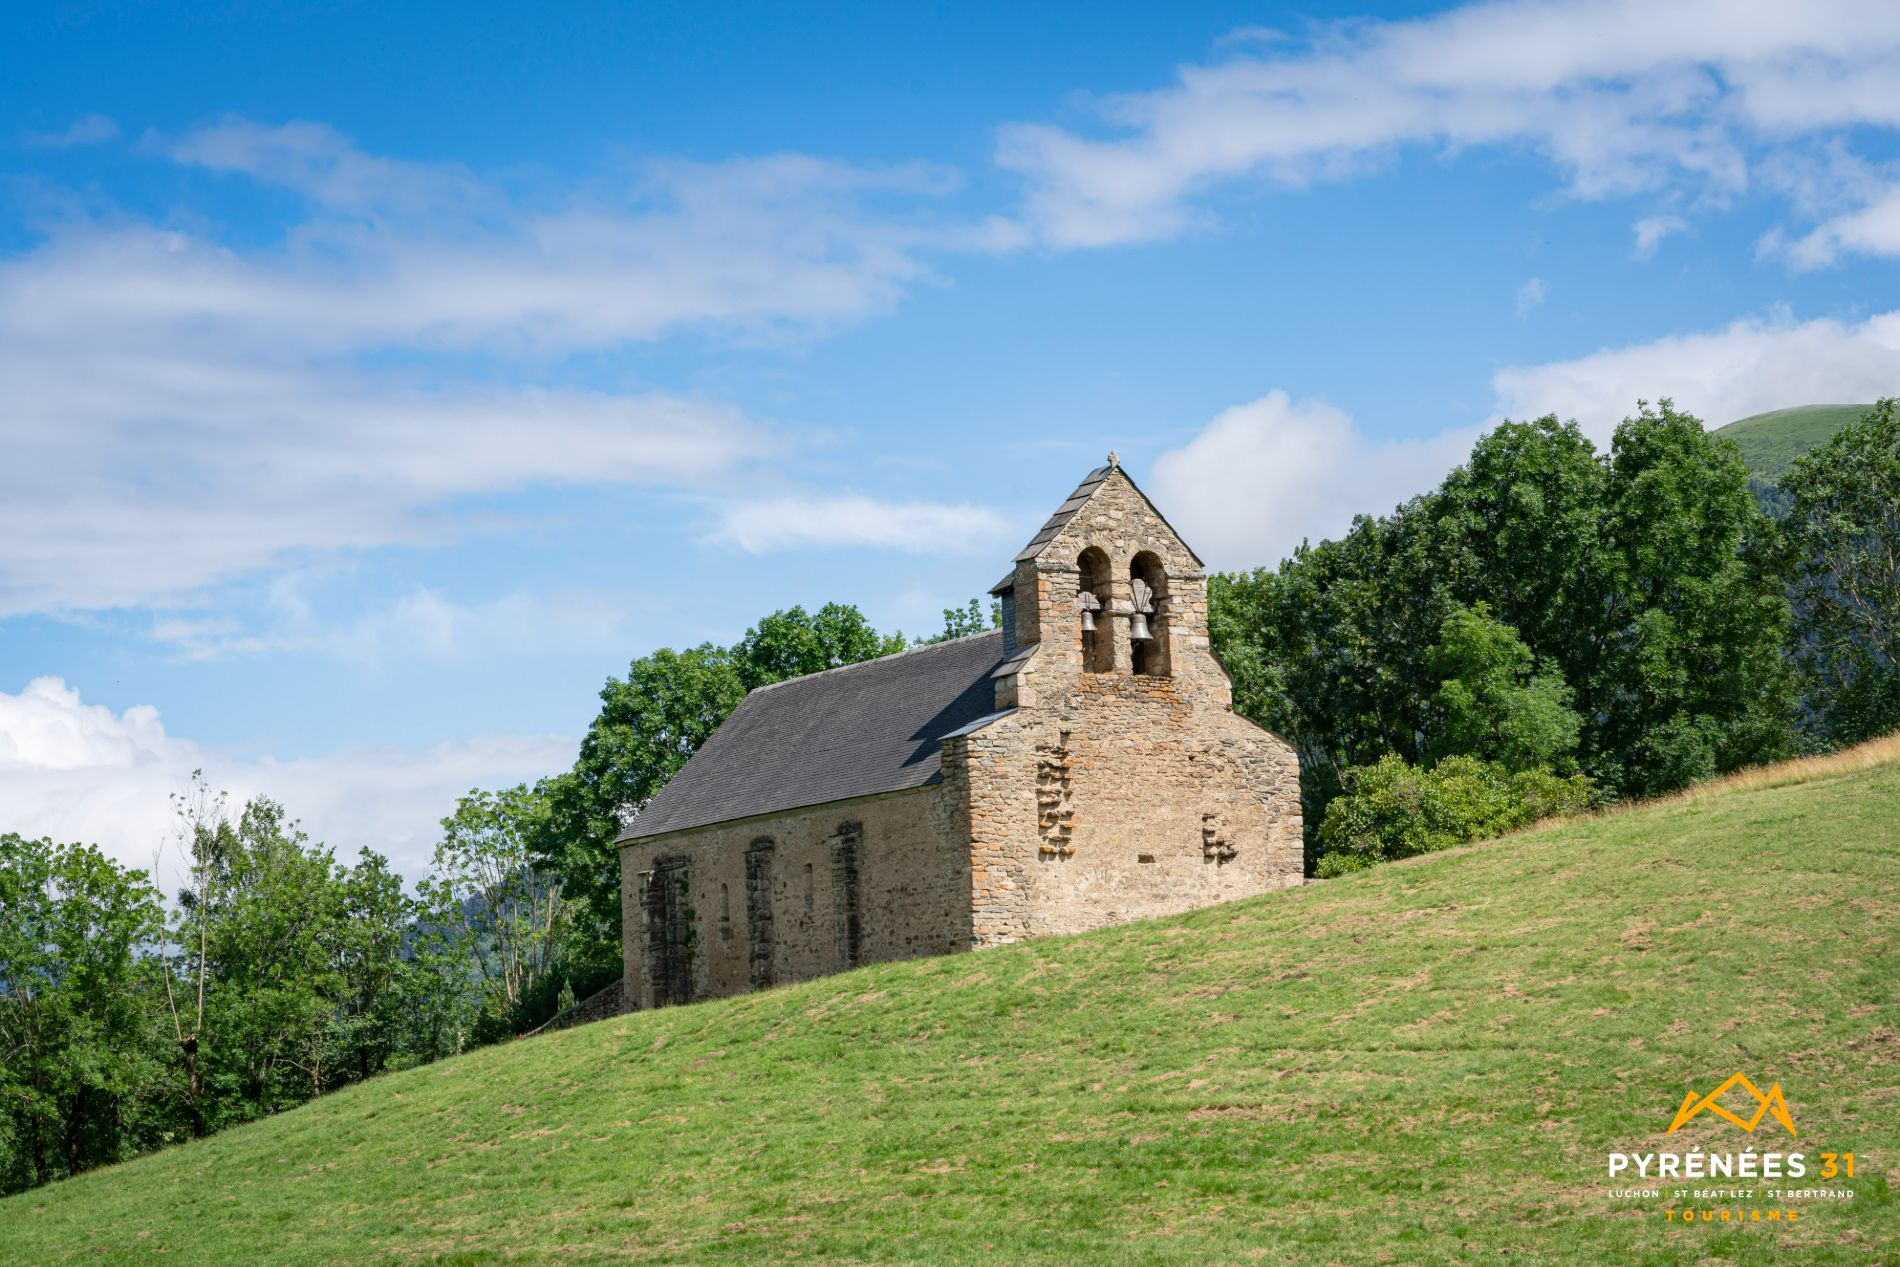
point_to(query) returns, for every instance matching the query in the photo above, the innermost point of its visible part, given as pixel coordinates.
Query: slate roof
(851, 731)
(1064, 513)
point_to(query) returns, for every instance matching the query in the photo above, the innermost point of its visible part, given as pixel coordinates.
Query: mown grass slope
(1424, 1063)
(1771, 442)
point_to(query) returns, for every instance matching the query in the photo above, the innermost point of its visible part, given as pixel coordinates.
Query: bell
(1088, 621)
(1089, 605)
(1138, 628)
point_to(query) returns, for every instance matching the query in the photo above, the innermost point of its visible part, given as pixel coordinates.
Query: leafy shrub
(1394, 810)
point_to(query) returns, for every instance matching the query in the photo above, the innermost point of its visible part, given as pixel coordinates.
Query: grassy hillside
(1424, 1063)
(1771, 441)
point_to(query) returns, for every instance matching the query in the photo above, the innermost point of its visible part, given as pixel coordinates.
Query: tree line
(132, 1019)
(1554, 627)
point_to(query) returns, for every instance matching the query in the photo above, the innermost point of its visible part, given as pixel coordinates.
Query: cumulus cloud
(81, 772)
(1747, 367)
(1264, 476)
(1621, 96)
(769, 524)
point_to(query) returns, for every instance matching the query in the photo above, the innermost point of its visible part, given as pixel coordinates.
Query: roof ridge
(882, 659)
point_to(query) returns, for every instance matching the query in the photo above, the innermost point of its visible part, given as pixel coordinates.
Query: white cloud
(1529, 296)
(181, 410)
(87, 129)
(423, 624)
(1744, 368)
(1620, 95)
(1651, 230)
(422, 255)
(1873, 229)
(1263, 476)
(769, 524)
(133, 477)
(81, 772)
(324, 165)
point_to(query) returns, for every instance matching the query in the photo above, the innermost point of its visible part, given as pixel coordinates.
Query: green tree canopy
(791, 643)
(1641, 578)
(1493, 701)
(1842, 536)
(78, 1039)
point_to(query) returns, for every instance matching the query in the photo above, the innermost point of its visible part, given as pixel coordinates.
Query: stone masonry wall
(792, 896)
(1114, 796)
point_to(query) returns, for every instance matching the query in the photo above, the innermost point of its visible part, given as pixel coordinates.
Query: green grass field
(1770, 442)
(1425, 1063)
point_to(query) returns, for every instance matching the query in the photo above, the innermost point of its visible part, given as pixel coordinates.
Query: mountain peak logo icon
(1771, 1104)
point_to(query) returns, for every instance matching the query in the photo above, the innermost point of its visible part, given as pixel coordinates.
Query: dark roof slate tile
(852, 731)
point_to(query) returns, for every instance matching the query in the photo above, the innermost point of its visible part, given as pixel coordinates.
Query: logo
(1771, 1104)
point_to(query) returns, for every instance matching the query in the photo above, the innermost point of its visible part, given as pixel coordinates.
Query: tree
(1842, 543)
(961, 622)
(1694, 681)
(509, 917)
(649, 724)
(204, 837)
(379, 985)
(790, 643)
(76, 1022)
(1494, 702)
(277, 917)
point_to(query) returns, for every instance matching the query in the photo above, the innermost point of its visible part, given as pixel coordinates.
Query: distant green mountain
(1770, 442)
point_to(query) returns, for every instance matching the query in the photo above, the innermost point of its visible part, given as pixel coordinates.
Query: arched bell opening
(1092, 608)
(1148, 621)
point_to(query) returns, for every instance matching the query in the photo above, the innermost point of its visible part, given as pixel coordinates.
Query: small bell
(1143, 604)
(1089, 605)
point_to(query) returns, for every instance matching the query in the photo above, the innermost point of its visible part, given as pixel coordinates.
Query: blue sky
(381, 378)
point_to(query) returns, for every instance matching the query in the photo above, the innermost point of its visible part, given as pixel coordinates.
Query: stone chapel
(1078, 767)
